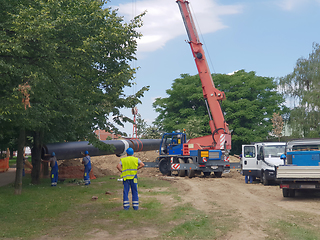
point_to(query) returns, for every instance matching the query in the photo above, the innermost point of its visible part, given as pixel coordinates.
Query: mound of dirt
(106, 165)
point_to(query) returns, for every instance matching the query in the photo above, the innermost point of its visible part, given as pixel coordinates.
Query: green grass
(200, 225)
(298, 226)
(68, 211)
(12, 161)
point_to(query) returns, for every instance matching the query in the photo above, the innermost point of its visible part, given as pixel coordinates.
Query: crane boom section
(211, 95)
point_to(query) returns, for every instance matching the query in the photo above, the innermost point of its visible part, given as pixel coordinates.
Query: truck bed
(301, 173)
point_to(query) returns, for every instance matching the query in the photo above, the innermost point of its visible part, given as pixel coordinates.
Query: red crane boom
(221, 135)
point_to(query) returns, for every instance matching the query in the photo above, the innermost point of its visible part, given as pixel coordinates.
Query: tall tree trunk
(36, 157)
(19, 165)
(11, 153)
(8, 153)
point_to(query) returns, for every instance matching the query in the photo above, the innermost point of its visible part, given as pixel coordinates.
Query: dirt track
(253, 205)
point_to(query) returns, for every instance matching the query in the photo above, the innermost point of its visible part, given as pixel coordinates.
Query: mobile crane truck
(203, 154)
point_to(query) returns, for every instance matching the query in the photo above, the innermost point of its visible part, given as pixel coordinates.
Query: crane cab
(172, 143)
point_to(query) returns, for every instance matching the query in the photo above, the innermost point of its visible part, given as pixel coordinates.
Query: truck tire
(206, 174)
(191, 173)
(218, 174)
(165, 167)
(181, 173)
(264, 179)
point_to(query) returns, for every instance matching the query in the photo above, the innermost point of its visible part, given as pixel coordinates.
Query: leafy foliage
(184, 104)
(145, 131)
(302, 86)
(152, 132)
(251, 101)
(277, 123)
(75, 56)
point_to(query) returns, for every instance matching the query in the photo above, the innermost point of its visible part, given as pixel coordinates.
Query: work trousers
(133, 184)
(86, 177)
(248, 178)
(54, 175)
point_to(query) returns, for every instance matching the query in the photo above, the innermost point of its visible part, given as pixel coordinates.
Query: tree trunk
(8, 153)
(11, 153)
(19, 165)
(45, 170)
(36, 157)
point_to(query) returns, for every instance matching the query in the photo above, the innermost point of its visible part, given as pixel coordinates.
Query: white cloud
(163, 20)
(232, 73)
(153, 99)
(289, 5)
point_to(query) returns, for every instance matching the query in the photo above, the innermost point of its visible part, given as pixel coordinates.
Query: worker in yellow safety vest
(128, 166)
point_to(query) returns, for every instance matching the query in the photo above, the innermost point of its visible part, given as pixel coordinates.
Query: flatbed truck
(301, 170)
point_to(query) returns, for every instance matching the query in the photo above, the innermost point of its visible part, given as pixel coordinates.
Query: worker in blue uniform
(283, 157)
(248, 178)
(128, 166)
(86, 161)
(54, 169)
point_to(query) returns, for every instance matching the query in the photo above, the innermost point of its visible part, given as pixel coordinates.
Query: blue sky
(265, 36)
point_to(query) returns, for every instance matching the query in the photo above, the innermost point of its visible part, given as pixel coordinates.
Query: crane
(203, 154)
(220, 134)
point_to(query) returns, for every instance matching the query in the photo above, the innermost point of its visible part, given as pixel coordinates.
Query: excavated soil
(106, 165)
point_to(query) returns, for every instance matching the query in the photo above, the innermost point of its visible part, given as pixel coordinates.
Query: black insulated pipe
(69, 150)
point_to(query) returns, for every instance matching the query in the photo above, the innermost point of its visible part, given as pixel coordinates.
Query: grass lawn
(13, 161)
(69, 212)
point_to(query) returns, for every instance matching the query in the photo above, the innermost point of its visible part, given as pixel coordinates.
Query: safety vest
(129, 167)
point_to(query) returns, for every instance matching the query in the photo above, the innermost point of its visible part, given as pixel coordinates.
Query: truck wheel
(285, 192)
(218, 174)
(164, 167)
(264, 179)
(181, 173)
(191, 173)
(206, 174)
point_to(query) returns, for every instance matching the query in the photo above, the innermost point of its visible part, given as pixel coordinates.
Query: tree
(75, 56)
(152, 132)
(193, 127)
(141, 125)
(302, 86)
(251, 101)
(145, 131)
(277, 123)
(185, 103)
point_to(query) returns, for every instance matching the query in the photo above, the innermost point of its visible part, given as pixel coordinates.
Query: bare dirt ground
(253, 205)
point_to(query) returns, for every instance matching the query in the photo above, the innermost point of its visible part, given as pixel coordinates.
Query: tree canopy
(302, 87)
(250, 103)
(75, 57)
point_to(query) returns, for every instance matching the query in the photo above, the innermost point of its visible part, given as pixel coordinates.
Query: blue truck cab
(172, 143)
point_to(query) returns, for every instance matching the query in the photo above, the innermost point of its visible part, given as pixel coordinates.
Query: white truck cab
(260, 159)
